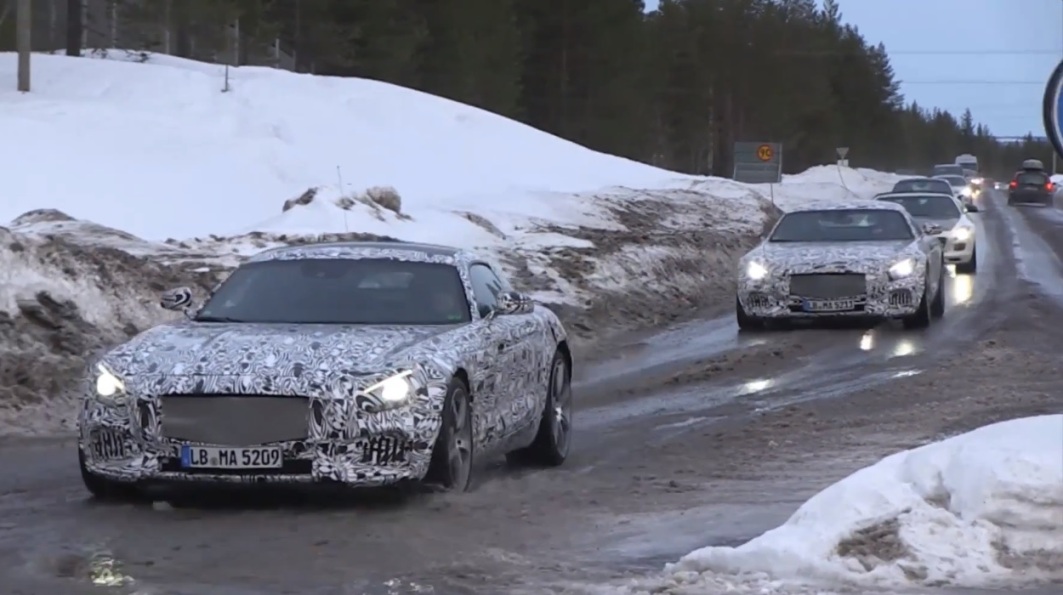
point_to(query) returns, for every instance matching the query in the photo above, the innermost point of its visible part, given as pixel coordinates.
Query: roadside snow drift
(979, 509)
(129, 172)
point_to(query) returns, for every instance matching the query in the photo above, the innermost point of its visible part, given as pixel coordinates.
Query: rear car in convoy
(923, 185)
(852, 259)
(947, 169)
(946, 215)
(1032, 185)
(352, 364)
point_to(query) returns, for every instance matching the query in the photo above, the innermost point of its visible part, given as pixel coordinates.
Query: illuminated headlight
(756, 271)
(109, 387)
(962, 234)
(902, 269)
(966, 191)
(977, 180)
(394, 391)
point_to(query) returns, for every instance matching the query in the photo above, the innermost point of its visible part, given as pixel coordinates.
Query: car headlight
(756, 271)
(393, 391)
(109, 387)
(902, 269)
(962, 234)
(977, 180)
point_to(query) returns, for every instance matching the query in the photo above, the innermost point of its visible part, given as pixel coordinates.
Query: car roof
(911, 194)
(851, 204)
(376, 249)
(919, 179)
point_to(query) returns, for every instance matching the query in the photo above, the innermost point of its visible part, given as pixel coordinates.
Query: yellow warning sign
(765, 153)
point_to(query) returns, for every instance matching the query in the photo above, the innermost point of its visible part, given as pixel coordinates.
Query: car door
(511, 342)
(934, 251)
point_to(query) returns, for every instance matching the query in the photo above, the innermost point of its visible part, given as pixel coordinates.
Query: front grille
(828, 285)
(234, 420)
(901, 297)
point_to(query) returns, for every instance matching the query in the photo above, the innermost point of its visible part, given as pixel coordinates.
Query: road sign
(758, 163)
(1052, 109)
(842, 152)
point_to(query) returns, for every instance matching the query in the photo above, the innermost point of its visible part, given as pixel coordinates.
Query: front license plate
(213, 457)
(829, 305)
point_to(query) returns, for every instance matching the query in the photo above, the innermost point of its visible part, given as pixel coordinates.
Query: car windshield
(927, 206)
(842, 225)
(955, 181)
(922, 186)
(340, 291)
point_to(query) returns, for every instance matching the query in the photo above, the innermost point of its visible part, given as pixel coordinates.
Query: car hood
(944, 224)
(831, 256)
(266, 350)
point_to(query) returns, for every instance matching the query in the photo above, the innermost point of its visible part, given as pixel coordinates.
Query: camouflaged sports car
(359, 364)
(858, 258)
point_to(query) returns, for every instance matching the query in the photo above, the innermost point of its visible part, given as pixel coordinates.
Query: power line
(889, 52)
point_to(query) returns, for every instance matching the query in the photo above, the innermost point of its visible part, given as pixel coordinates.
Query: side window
(485, 287)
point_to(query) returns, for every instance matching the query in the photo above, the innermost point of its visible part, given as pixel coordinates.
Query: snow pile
(132, 172)
(981, 509)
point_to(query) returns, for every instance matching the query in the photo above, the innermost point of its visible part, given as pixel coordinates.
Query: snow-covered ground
(982, 509)
(128, 173)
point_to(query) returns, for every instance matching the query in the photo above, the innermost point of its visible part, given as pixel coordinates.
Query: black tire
(104, 489)
(745, 321)
(922, 317)
(970, 266)
(554, 437)
(454, 454)
(937, 305)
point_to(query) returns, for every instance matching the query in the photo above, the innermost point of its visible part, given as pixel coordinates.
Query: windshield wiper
(216, 319)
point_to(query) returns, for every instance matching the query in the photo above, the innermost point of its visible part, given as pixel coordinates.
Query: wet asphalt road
(516, 527)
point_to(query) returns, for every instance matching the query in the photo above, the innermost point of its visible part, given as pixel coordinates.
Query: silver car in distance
(860, 258)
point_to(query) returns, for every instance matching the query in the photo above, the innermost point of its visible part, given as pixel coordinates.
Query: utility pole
(23, 27)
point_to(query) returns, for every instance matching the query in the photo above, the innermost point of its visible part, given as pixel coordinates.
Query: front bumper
(957, 251)
(126, 443)
(770, 298)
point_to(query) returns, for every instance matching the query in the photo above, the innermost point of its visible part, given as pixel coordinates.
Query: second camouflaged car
(851, 259)
(358, 364)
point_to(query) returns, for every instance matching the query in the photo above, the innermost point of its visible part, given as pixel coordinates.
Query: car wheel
(921, 318)
(937, 306)
(551, 445)
(745, 321)
(452, 456)
(105, 489)
(971, 266)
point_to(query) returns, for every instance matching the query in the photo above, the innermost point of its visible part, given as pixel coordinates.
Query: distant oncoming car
(961, 188)
(921, 185)
(957, 233)
(858, 258)
(358, 364)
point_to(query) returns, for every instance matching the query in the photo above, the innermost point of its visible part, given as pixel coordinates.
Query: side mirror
(931, 229)
(513, 302)
(971, 208)
(178, 300)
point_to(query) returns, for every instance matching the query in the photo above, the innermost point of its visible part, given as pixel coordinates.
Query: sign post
(758, 163)
(843, 152)
(1052, 108)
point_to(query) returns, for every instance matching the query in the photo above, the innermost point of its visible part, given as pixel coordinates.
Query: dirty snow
(132, 172)
(982, 509)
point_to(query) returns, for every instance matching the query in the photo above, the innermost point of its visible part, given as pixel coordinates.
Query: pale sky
(999, 52)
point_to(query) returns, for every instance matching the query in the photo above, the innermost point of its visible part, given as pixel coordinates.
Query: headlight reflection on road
(755, 386)
(867, 341)
(962, 289)
(903, 348)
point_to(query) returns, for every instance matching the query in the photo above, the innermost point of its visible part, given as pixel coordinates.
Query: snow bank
(981, 509)
(143, 160)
